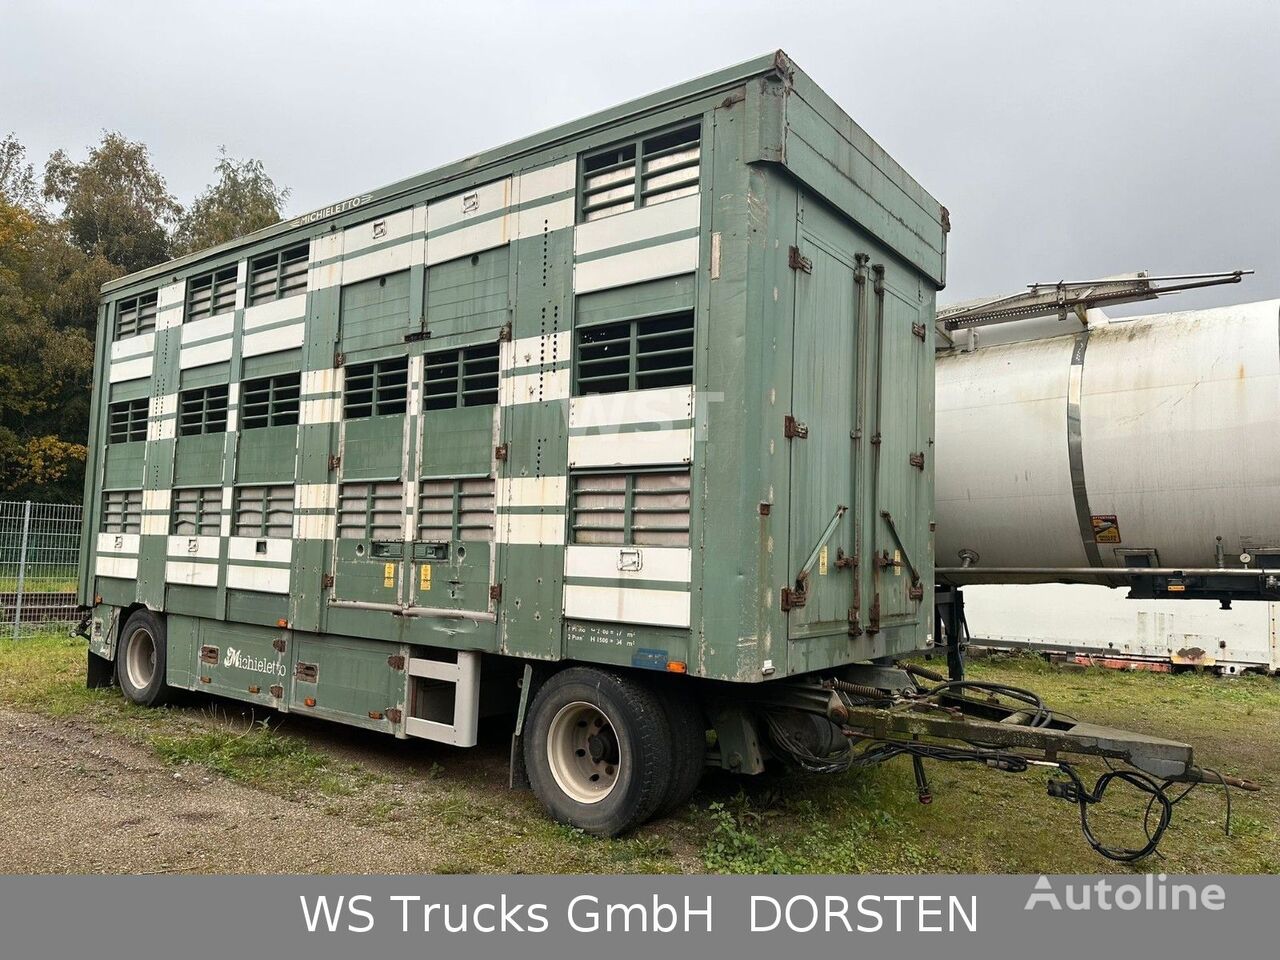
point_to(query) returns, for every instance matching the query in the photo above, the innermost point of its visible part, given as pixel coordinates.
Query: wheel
(141, 660)
(688, 747)
(598, 750)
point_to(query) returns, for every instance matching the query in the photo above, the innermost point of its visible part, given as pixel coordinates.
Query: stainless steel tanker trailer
(1141, 453)
(623, 430)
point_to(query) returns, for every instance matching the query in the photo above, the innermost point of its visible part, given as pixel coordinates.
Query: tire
(142, 658)
(688, 747)
(598, 750)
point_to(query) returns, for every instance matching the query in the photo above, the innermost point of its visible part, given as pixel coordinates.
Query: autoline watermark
(1152, 892)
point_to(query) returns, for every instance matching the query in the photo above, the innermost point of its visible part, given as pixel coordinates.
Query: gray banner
(630, 917)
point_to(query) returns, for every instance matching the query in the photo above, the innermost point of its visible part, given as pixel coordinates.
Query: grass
(981, 820)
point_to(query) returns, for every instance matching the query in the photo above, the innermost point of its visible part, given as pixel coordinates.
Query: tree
(243, 200)
(17, 179)
(114, 204)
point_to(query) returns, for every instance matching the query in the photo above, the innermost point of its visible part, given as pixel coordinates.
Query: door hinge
(278, 644)
(504, 333)
(794, 429)
(495, 593)
(873, 619)
(916, 591)
(396, 661)
(339, 358)
(393, 714)
(326, 581)
(500, 452)
(916, 460)
(797, 262)
(855, 626)
(917, 330)
(335, 461)
(875, 439)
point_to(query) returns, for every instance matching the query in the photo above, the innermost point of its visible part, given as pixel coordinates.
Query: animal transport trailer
(623, 429)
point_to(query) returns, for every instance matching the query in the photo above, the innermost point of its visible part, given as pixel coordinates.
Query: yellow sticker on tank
(822, 561)
(424, 577)
(389, 575)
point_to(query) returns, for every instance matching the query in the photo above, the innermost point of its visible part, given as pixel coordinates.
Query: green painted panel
(267, 454)
(458, 442)
(468, 294)
(192, 601)
(249, 606)
(375, 312)
(352, 679)
(269, 364)
(373, 448)
(369, 570)
(116, 593)
(637, 300)
(458, 582)
(131, 390)
(208, 376)
(198, 459)
(182, 641)
(625, 644)
(124, 465)
(242, 662)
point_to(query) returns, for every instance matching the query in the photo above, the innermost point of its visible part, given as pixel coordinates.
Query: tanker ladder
(867, 714)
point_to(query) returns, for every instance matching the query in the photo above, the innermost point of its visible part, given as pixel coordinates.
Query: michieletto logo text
(234, 658)
(1152, 892)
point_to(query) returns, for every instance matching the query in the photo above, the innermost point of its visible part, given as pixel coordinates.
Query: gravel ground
(73, 800)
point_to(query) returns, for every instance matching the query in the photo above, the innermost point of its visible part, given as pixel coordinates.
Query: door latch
(793, 429)
(796, 262)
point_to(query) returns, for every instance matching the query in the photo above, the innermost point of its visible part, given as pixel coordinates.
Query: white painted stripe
(380, 230)
(224, 528)
(160, 430)
(165, 405)
(316, 382)
(124, 567)
(191, 573)
(528, 528)
(155, 524)
(546, 181)
(647, 263)
(534, 387)
(643, 223)
(315, 496)
(673, 564)
(660, 405)
(662, 608)
(204, 354)
(233, 419)
(242, 283)
(172, 295)
(228, 497)
(638, 449)
(261, 579)
(276, 311)
(184, 546)
(467, 240)
(531, 491)
(314, 526)
(274, 549)
(156, 500)
(118, 543)
(381, 262)
(168, 317)
(209, 328)
(326, 247)
(534, 351)
(324, 410)
(468, 205)
(131, 369)
(273, 340)
(133, 346)
(534, 221)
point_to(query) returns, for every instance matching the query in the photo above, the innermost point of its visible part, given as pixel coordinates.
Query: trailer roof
(775, 63)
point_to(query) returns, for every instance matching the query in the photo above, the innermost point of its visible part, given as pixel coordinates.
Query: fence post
(22, 569)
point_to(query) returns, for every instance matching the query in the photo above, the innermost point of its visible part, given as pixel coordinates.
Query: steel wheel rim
(140, 659)
(583, 752)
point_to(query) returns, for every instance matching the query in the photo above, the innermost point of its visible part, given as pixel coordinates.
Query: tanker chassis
(623, 429)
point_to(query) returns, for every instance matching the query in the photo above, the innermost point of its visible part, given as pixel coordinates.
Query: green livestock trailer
(623, 429)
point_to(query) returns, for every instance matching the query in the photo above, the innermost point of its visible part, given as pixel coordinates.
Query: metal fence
(39, 563)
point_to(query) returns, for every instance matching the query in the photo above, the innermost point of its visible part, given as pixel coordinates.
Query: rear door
(825, 343)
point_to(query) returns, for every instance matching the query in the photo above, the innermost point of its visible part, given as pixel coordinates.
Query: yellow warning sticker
(822, 561)
(897, 563)
(424, 577)
(389, 575)
(1106, 529)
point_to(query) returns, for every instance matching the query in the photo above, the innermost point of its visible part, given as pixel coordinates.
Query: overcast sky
(1069, 140)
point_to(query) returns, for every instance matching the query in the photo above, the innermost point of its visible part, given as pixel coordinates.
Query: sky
(1068, 140)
